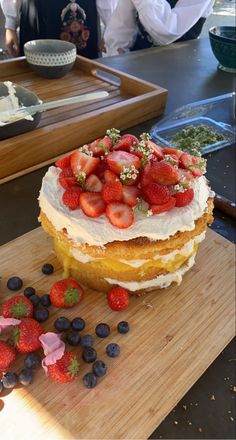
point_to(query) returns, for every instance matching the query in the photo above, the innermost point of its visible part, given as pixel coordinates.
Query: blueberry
(123, 327)
(90, 380)
(99, 368)
(1, 386)
(62, 324)
(9, 380)
(102, 330)
(89, 354)
(73, 338)
(78, 324)
(14, 283)
(45, 300)
(26, 376)
(41, 314)
(112, 350)
(29, 291)
(32, 360)
(47, 269)
(86, 341)
(35, 299)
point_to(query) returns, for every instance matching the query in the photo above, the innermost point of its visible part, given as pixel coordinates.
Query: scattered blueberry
(123, 327)
(1, 386)
(14, 283)
(86, 341)
(29, 291)
(112, 350)
(41, 314)
(26, 376)
(90, 380)
(9, 380)
(35, 299)
(62, 324)
(78, 324)
(32, 360)
(45, 300)
(47, 269)
(73, 338)
(89, 354)
(99, 368)
(102, 330)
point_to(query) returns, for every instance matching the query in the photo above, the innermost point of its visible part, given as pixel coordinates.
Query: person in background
(140, 24)
(70, 20)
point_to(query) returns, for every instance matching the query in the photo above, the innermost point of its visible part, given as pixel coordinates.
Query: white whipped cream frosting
(161, 281)
(98, 231)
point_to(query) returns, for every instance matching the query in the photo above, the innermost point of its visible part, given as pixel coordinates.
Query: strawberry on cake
(124, 211)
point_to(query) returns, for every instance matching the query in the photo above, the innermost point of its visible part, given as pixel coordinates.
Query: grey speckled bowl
(50, 58)
(26, 98)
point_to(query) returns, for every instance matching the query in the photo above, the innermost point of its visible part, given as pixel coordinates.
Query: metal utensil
(8, 117)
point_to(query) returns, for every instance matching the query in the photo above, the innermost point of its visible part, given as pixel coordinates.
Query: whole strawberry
(25, 336)
(7, 356)
(118, 298)
(66, 293)
(65, 369)
(17, 307)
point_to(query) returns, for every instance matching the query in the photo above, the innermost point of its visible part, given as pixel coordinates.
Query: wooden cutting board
(175, 335)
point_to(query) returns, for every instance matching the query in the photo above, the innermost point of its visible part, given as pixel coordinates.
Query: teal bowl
(223, 44)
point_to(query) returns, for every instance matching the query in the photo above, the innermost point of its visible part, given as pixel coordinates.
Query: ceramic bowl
(26, 98)
(50, 58)
(223, 44)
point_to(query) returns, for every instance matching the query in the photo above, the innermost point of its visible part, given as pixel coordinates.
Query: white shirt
(162, 23)
(11, 8)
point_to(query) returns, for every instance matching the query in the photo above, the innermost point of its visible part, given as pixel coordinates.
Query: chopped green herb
(193, 139)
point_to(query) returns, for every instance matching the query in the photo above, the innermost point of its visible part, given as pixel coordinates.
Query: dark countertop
(189, 71)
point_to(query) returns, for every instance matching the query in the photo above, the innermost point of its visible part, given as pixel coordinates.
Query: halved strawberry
(172, 151)
(71, 197)
(101, 146)
(112, 191)
(157, 209)
(185, 178)
(93, 183)
(145, 175)
(118, 160)
(184, 198)
(156, 194)
(163, 173)
(109, 176)
(197, 165)
(125, 142)
(92, 204)
(120, 215)
(100, 170)
(82, 163)
(64, 162)
(131, 195)
(157, 151)
(67, 178)
(172, 159)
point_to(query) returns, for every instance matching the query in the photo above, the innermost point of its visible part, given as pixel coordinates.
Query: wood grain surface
(175, 334)
(130, 102)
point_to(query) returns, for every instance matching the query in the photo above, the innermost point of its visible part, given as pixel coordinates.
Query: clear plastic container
(209, 112)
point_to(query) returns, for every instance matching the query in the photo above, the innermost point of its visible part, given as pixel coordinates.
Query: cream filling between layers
(186, 250)
(98, 231)
(161, 281)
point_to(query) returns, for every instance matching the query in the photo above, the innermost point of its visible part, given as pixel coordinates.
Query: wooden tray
(175, 334)
(130, 102)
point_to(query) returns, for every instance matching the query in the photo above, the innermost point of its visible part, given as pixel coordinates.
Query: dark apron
(144, 40)
(41, 19)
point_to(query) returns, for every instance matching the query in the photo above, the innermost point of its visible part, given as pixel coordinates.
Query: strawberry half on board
(66, 293)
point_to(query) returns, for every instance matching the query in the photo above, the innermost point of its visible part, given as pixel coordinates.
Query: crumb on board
(231, 418)
(185, 407)
(234, 389)
(189, 423)
(199, 429)
(176, 422)
(213, 397)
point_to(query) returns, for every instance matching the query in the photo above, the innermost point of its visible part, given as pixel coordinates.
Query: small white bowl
(50, 58)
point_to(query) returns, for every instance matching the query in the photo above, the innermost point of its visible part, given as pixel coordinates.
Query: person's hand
(102, 46)
(120, 51)
(12, 43)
